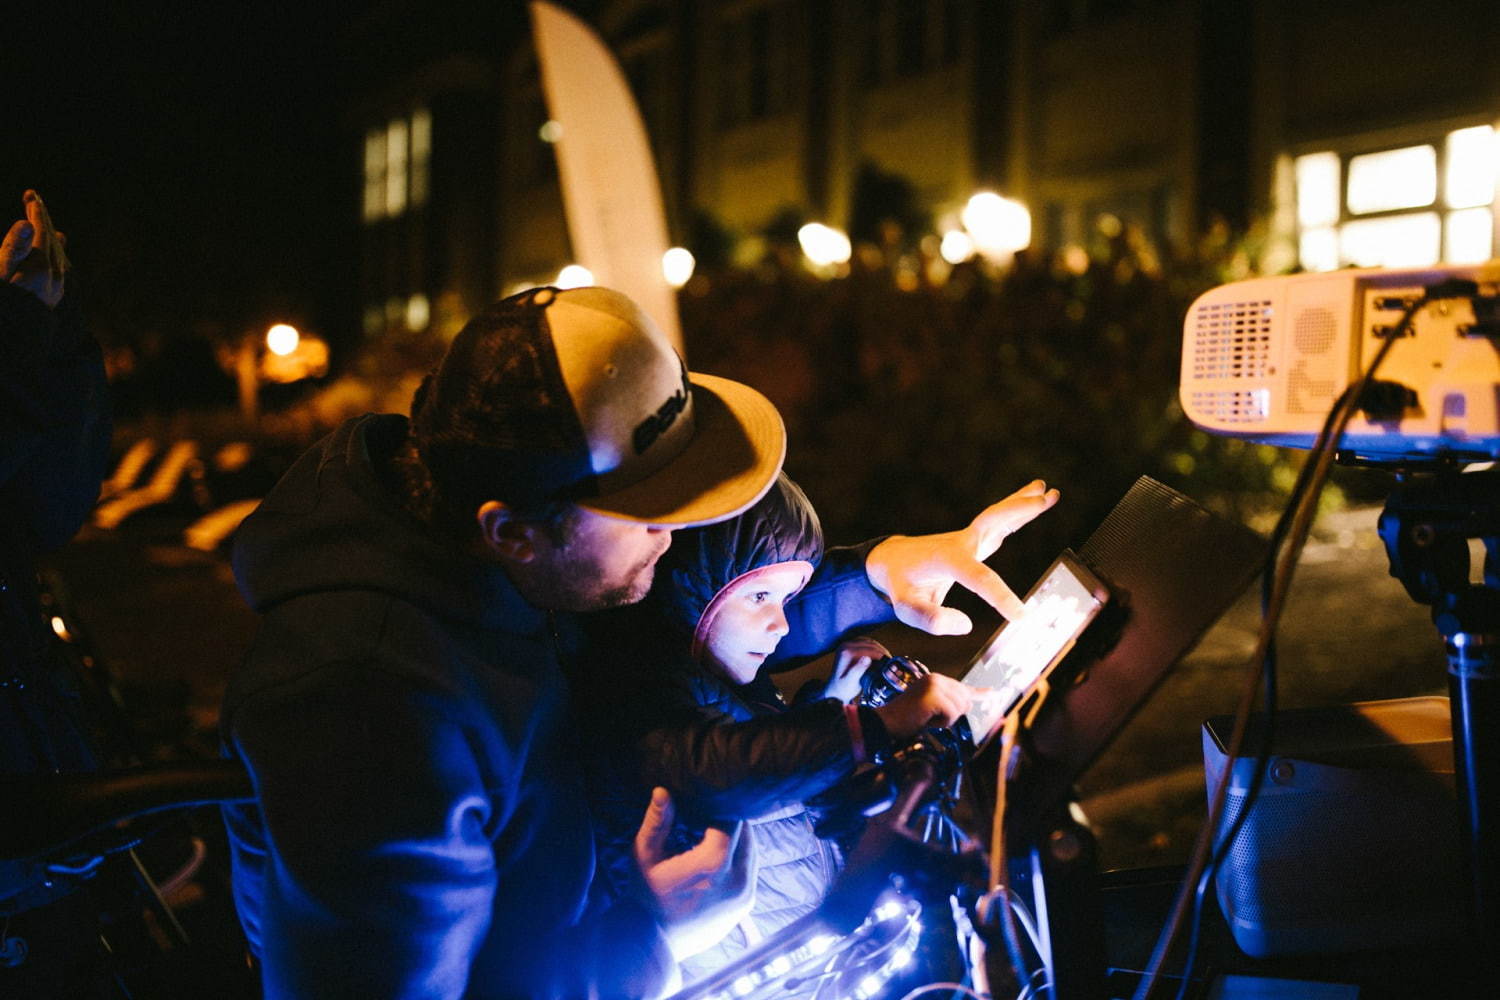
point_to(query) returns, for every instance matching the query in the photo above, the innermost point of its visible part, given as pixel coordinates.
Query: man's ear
(504, 534)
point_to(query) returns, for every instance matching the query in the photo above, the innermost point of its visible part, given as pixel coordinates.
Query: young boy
(685, 705)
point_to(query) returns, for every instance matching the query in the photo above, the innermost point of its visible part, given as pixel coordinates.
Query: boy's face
(752, 620)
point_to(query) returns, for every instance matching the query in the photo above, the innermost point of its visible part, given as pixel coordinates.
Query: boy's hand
(916, 571)
(849, 665)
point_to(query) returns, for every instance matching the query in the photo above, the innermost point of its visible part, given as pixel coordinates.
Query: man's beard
(571, 589)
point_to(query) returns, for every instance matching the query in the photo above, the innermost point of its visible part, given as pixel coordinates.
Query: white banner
(610, 191)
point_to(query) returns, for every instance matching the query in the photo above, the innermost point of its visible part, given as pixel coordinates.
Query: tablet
(1022, 652)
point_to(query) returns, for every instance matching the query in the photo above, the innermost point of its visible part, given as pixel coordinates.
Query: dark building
(1343, 132)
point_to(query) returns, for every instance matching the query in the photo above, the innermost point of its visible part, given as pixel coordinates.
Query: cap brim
(738, 445)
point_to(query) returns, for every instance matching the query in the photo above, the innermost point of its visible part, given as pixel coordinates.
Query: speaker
(1352, 843)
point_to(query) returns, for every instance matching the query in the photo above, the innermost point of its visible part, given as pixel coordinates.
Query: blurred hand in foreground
(31, 255)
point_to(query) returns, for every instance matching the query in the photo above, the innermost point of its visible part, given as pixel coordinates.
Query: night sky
(193, 154)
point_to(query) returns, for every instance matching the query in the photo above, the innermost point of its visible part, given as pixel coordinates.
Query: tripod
(1431, 524)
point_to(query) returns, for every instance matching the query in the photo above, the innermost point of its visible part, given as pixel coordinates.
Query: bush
(910, 408)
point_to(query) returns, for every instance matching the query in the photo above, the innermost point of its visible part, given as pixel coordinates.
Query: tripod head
(1431, 526)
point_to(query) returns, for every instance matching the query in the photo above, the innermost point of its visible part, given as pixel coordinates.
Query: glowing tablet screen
(1057, 611)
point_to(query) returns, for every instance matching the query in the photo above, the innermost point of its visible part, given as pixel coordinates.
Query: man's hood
(330, 524)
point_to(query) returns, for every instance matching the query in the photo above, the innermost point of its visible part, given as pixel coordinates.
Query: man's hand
(933, 700)
(31, 254)
(916, 571)
(703, 892)
(849, 665)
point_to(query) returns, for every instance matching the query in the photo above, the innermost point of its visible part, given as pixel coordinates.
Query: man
(420, 828)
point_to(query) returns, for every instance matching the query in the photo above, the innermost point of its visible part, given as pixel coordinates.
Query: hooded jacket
(726, 752)
(420, 828)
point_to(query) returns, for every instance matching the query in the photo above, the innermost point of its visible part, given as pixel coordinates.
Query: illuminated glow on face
(751, 619)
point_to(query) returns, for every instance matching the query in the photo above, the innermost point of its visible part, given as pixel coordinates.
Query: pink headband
(706, 620)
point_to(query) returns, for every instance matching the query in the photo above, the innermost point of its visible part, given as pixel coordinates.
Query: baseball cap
(576, 395)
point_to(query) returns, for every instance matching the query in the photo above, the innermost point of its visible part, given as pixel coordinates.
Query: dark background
(191, 153)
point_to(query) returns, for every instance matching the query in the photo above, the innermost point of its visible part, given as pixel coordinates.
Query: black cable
(1296, 520)
(1333, 425)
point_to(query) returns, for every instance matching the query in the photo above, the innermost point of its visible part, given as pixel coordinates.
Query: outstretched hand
(703, 892)
(916, 571)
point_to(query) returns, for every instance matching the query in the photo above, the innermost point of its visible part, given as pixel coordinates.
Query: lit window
(1318, 189)
(1395, 241)
(397, 158)
(1469, 174)
(1469, 236)
(421, 154)
(1395, 178)
(395, 167)
(1367, 220)
(374, 201)
(1319, 249)
(417, 312)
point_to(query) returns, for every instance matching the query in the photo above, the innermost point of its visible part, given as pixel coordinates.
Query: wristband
(856, 733)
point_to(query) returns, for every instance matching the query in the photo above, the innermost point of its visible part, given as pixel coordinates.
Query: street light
(575, 276)
(282, 339)
(999, 226)
(824, 245)
(957, 246)
(677, 266)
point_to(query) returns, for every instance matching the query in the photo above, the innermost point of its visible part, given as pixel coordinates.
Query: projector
(1265, 360)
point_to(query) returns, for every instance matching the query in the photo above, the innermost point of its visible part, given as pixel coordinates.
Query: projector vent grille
(1230, 406)
(1233, 340)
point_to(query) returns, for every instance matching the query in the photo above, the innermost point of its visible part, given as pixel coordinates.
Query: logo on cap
(655, 425)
